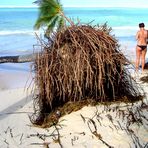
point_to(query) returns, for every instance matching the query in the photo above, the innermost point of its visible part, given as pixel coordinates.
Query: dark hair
(141, 25)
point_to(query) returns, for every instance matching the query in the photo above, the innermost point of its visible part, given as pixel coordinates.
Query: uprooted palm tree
(82, 62)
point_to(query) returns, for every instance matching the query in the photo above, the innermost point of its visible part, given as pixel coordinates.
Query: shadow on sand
(14, 107)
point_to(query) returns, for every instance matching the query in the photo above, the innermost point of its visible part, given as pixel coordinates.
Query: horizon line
(15, 6)
(31, 6)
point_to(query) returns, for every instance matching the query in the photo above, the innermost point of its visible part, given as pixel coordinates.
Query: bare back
(141, 37)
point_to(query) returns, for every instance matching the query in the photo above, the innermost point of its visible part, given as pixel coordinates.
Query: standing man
(141, 47)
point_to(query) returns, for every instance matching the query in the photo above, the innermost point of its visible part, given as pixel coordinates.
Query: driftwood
(18, 59)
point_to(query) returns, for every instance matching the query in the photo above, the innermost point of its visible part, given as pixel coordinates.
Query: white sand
(79, 129)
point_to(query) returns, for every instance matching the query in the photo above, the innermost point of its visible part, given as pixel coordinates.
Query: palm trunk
(67, 19)
(18, 59)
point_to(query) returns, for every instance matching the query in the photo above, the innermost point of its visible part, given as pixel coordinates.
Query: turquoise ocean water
(17, 34)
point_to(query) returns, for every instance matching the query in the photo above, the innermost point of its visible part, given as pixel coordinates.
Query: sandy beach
(90, 127)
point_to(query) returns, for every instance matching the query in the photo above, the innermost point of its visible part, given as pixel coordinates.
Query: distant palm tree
(50, 15)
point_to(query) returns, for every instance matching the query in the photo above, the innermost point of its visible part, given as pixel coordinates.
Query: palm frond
(61, 23)
(43, 21)
(38, 2)
(51, 26)
(49, 14)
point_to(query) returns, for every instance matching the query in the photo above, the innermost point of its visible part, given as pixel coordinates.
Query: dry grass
(144, 79)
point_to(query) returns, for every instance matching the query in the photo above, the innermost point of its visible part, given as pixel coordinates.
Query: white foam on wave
(28, 32)
(17, 32)
(126, 28)
(125, 31)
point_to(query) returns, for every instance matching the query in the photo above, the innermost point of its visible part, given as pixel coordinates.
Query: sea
(18, 37)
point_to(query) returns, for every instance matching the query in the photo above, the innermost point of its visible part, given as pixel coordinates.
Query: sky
(81, 3)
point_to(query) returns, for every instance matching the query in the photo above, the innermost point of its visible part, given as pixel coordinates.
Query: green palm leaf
(51, 26)
(43, 21)
(50, 15)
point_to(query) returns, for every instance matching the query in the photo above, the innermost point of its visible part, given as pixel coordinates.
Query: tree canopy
(50, 15)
